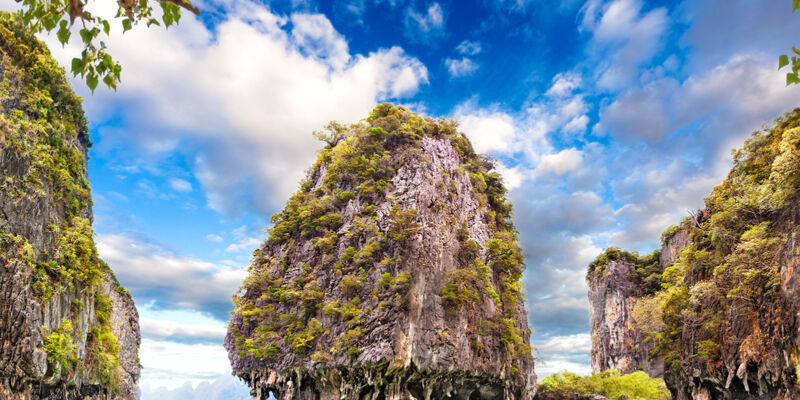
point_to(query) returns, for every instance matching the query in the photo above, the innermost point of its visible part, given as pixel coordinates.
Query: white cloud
(214, 238)
(427, 24)
(564, 84)
(172, 331)
(247, 244)
(314, 34)
(469, 48)
(462, 67)
(624, 37)
(663, 107)
(560, 163)
(512, 177)
(180, 185)
(170, 364)
(224, 387)
(577, 343)
(246, 94)
(154, 273)
(487, 130)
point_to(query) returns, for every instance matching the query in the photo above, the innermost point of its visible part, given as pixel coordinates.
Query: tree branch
(184, 4)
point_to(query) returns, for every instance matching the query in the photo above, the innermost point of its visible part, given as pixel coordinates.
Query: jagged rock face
(617, 342)
(67, 329)
(727, 311)
(392, 273)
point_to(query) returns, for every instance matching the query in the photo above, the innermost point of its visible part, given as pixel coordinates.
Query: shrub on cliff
(634, 386)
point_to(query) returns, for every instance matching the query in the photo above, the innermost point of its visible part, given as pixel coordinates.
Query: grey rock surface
(412, 345)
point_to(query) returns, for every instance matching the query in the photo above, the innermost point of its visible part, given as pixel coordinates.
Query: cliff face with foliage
(616, 280)
(725, 318)
(67, 329)
(392, 273)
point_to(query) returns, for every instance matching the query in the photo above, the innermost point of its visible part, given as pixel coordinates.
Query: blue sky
(612, 120)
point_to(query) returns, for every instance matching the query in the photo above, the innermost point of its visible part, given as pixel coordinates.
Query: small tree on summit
(94, 63)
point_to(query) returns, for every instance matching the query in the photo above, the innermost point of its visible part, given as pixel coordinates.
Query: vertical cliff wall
(392, 273)
(68, 330)
(620, 283)
(724, 318)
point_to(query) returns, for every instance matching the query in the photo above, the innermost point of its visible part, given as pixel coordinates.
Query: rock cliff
(617, 342)
(392, 273)
(68, 330)
(724, 315)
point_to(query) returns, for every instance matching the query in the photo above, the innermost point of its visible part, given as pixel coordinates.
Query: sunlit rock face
(68, 330)
(723, 314)
(392, 273)
(617, 343)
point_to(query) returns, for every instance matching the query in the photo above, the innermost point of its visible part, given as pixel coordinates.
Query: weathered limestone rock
(726, 313)
(393, 273)
(67, 329)
(616, 341)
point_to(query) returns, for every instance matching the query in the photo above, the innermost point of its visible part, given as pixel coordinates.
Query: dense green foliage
(729, 273)
(94, 63)
(645, 270)
(283, 308)
(62, 353)
(719, 304)
(634, 386)
(43, 137)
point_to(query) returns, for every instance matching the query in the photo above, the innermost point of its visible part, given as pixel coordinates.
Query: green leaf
(783, 60)
(795, 51)
(63, 32)
(77, 66)
(795, 5)
(91, 81)
(107, 26)
(126, 25)
(167, 18)
(108, 62)
(110, 82)
(792, 79)
(86, 36)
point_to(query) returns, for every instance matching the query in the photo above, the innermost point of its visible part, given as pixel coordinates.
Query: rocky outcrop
(68, 330)
(392, 273)
(725, 315)
(617, 342)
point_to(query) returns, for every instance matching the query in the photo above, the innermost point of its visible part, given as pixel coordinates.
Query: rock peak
(392, 273)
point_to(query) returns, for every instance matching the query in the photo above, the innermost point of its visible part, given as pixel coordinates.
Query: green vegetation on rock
(319, 303)
(645, 270)
(634, 386)
(44, 138)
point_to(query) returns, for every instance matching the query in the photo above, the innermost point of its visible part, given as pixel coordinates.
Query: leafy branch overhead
(792, 78)
(94, 63)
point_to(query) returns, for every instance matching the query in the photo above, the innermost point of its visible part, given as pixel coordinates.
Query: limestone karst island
(399, 200)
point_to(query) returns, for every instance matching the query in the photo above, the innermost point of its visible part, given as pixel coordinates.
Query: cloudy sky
(612, 120)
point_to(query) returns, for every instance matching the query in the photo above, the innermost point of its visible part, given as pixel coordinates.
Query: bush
(62, 353)
(634, 386)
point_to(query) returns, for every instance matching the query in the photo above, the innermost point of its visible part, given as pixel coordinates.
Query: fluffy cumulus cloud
(564, 353)
(460, 67)
(564, 161)
(225, 387)
(623, 37)
(169, 363)
(180, 185)
(622, 145)
(153, 273)
(469, 48)
(425, 25)
(243, 96)
(174, 332)
(488, 130)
